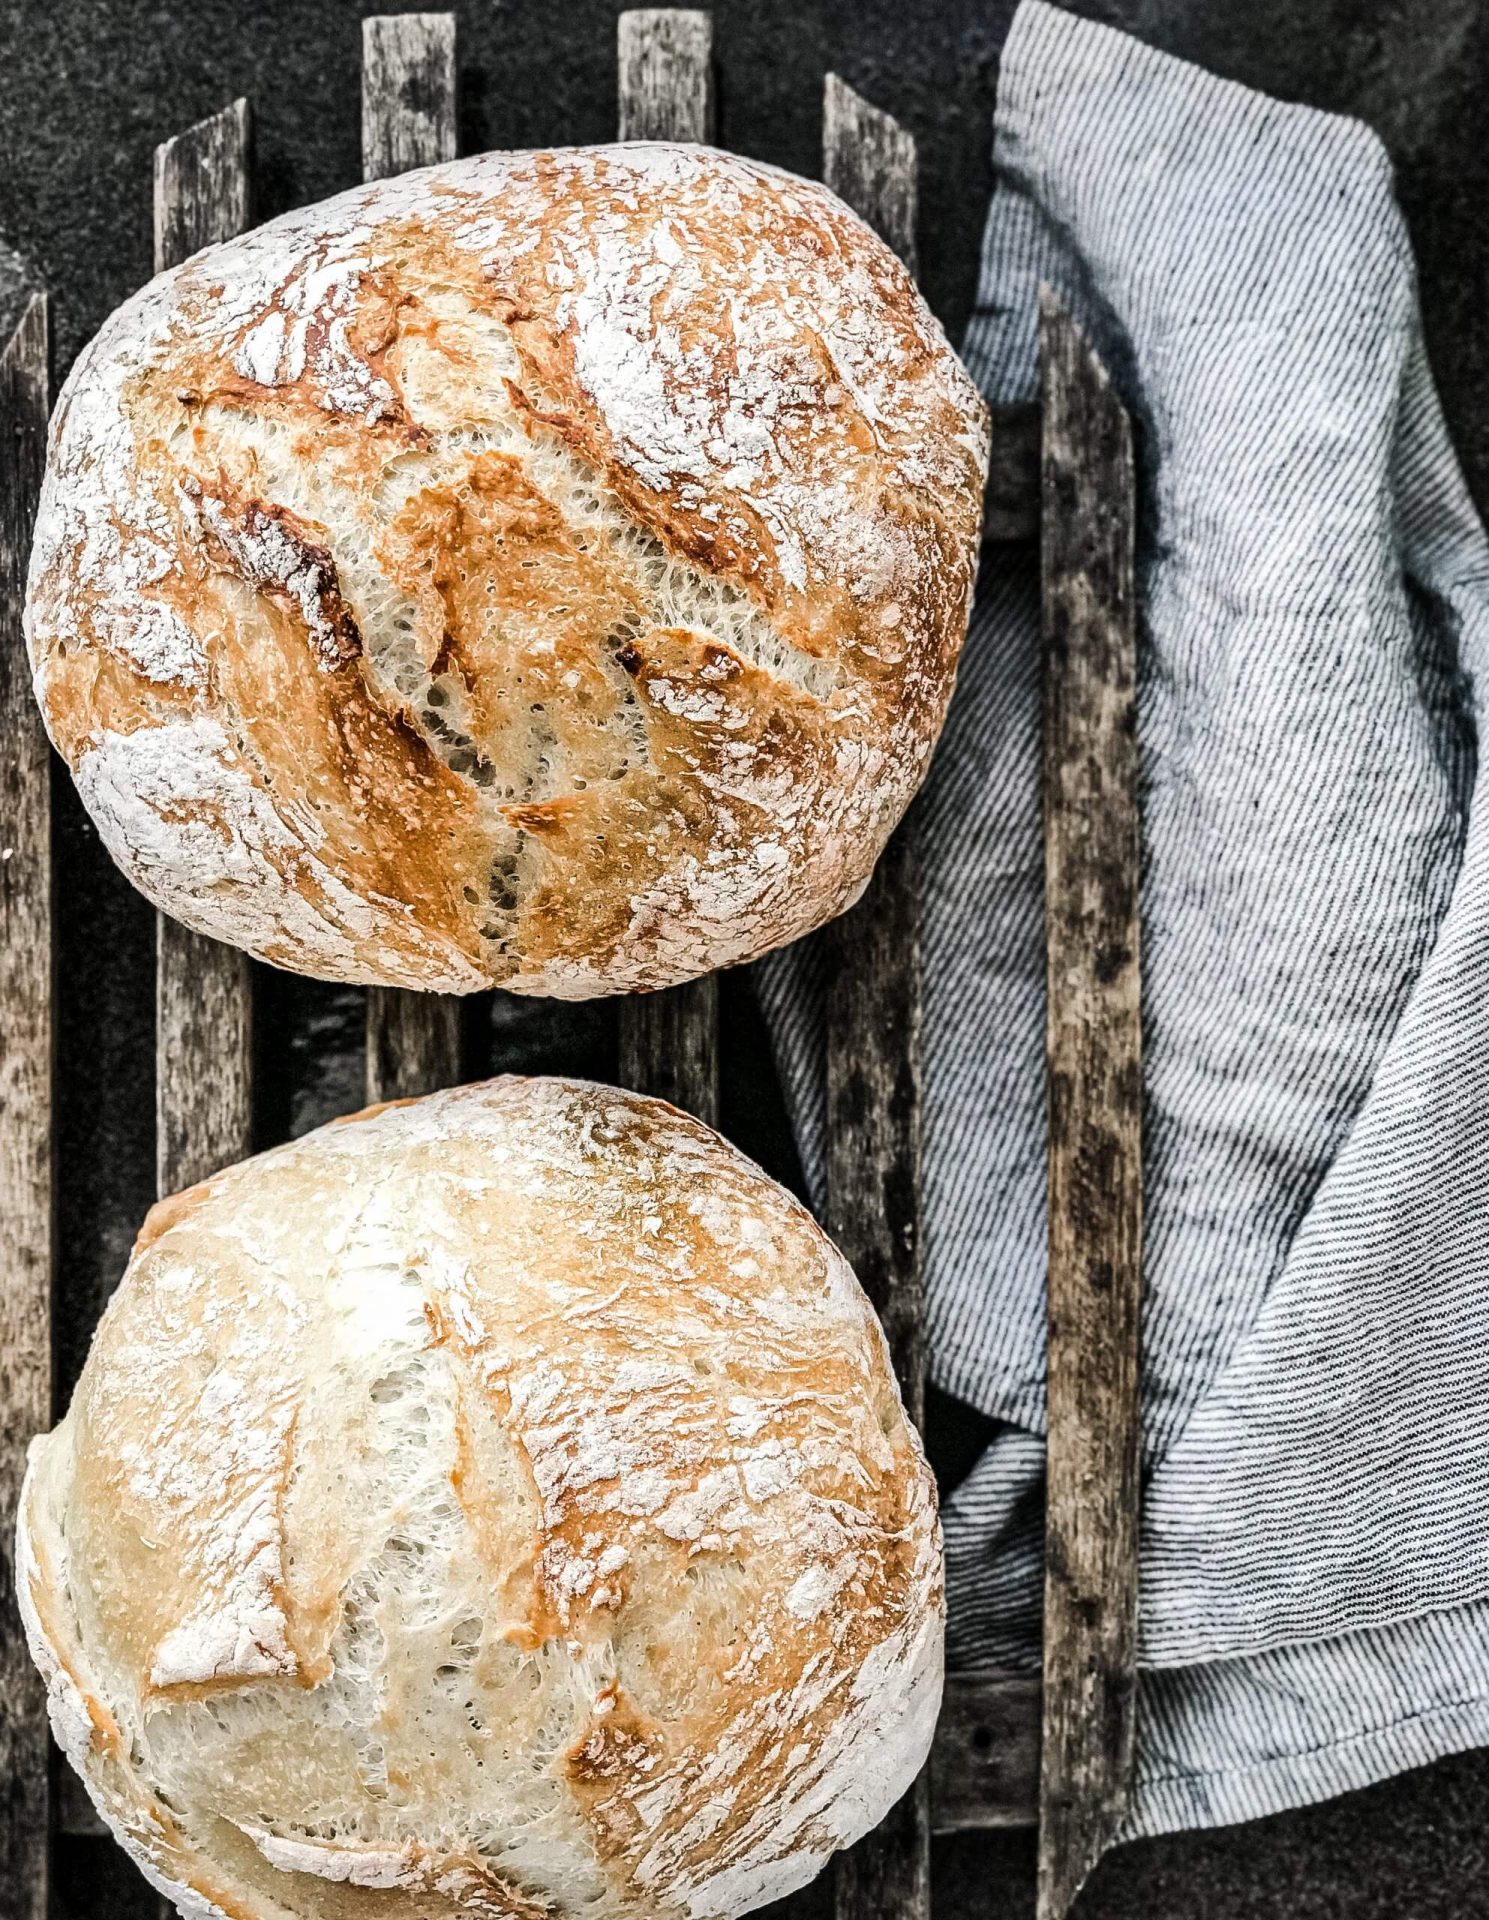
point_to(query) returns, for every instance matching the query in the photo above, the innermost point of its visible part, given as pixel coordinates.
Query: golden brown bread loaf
(546, 569)
(498, 1505)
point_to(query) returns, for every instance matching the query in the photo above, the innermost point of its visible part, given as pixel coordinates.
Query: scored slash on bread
(503, 1498)
(544, 569)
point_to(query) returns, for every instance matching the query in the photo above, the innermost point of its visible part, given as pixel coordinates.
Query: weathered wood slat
(413, 1043)
(202, 185)
(873, 1051)
(26, 1041)
(1095, 1111)
(868, 159)
(665, 74)
(203, 989)
(203, 1056)
(669, 1041)
(408, 120)
(873, 1104)
(408, 92)
(669, 1046)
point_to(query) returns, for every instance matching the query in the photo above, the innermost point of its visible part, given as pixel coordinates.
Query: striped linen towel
(1315, 651)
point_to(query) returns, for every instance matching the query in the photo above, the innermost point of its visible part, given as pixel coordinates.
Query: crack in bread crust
(493, 1505)
(485, 437)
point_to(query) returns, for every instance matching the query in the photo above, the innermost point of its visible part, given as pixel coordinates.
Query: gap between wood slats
(873, 1052)
(203, 991)
(669, 1041)
(26, 1063)
(409, 120)
(1095, 1111)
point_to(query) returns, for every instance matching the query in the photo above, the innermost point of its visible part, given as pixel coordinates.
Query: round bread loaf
(500, 1504)
(546, 569)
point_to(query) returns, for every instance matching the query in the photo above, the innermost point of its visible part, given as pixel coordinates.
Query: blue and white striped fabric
(1315, 594)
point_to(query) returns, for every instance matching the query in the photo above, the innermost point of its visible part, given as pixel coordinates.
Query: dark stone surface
(86, 90)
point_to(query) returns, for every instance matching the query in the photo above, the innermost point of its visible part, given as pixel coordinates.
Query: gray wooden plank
(874, 1102)
(873, 1051)
(203, 989)
(203, 1056)
(985, 1761)
(26, 1057)
(202, 185)
(1094, 1049)
(408, 120)
(413, 1043)
(669, 1046)
(665, 74)
(669, 1040)
(408, 92)
(868, 159)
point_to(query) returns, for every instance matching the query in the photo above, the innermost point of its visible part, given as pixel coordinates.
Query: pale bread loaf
(500, 1504)
(546, 569)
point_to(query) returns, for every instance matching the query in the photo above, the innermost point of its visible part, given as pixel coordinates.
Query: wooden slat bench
(26, 1060)
(1011, 1749)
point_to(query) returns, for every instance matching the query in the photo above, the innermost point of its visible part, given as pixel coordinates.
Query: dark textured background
(88, 88)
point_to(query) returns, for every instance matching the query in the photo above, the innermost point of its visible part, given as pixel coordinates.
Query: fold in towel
(1315, 644)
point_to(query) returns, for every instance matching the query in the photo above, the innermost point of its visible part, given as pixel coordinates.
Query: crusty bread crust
(546, 569)
(499, 1505)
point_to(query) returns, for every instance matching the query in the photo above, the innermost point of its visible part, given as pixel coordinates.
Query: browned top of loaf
(672, 482)
(658, 1417)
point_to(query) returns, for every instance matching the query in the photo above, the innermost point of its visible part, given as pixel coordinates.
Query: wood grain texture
(872, 1172)
(203, 1056)
(868, 159)
(1094, 1050)
(408, 120)
(873, 1052)
(665, 74)
(669, 1046)
(203, 989)
(26, 1058)
(669, 1041)
(985, 1762)
(408, 92)
(202, 185)
(413, 1043)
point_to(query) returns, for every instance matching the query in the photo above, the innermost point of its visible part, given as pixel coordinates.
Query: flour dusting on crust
(498, 1505)
(574, 549)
